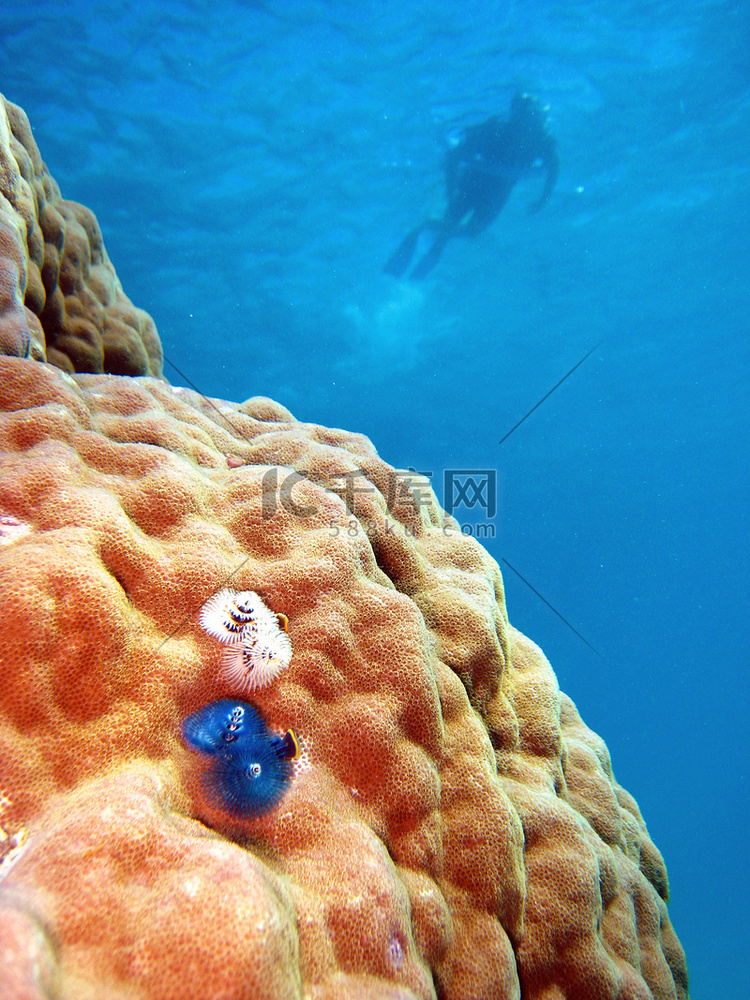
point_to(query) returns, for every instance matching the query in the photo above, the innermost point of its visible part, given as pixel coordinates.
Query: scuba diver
(480, 172)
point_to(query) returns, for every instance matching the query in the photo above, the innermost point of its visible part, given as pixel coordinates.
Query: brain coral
(454, 831)
(59, 294)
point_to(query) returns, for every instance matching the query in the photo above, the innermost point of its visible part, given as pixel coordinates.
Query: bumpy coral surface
(59, 293)
(454, 831)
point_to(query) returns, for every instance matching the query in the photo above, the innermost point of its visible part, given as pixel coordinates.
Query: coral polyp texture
(457, 831)
(60, 299)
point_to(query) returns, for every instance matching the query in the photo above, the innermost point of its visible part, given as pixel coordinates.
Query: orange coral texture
(457, 831)
(59, 294)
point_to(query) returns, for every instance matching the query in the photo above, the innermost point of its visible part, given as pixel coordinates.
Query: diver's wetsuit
(480, 173)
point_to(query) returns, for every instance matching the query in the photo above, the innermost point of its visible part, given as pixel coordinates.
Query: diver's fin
(398, 263)
(429, 260)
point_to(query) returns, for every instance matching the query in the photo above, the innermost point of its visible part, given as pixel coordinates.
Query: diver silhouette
(480, 172)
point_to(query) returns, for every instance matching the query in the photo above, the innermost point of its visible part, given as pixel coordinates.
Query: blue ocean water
(252, 166)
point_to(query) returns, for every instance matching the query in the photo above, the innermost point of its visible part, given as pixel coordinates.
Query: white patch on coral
(12, 530)
(231, 616)
(257, 649)
(258, 659)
